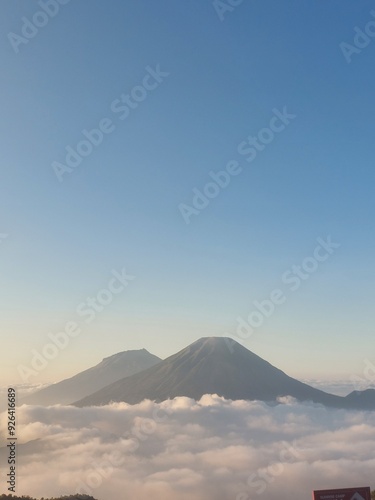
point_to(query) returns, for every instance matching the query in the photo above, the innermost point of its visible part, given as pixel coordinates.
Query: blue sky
(119, 208)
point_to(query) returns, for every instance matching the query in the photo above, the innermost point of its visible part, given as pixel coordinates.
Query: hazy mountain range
(211, 365)
(217, 365)
(109, 370)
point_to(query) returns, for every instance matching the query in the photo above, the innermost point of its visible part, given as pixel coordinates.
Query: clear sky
(219, 74)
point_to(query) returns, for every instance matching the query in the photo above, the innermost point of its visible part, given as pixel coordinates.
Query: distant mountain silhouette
(108, 371)
(209, 366)
(363, 399)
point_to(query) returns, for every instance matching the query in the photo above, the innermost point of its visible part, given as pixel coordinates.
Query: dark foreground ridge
(219, 365)
(69, 497)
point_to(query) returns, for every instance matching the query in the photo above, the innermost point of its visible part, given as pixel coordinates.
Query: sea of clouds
(21, 391)
(181, 449)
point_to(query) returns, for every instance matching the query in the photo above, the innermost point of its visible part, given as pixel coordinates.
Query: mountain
(108, 371)
(214, 365)
(363, 399)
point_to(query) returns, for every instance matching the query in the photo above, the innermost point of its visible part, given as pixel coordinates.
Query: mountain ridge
(222, 366)
(110, 369)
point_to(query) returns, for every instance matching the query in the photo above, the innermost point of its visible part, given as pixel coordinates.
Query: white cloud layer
(21, 391)
(213, 449)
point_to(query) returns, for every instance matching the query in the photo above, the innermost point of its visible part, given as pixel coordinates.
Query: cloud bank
(182, 449)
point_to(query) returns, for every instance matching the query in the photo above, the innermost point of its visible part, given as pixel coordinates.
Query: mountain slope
(363, 399)
(106, 372)
(210, 366)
